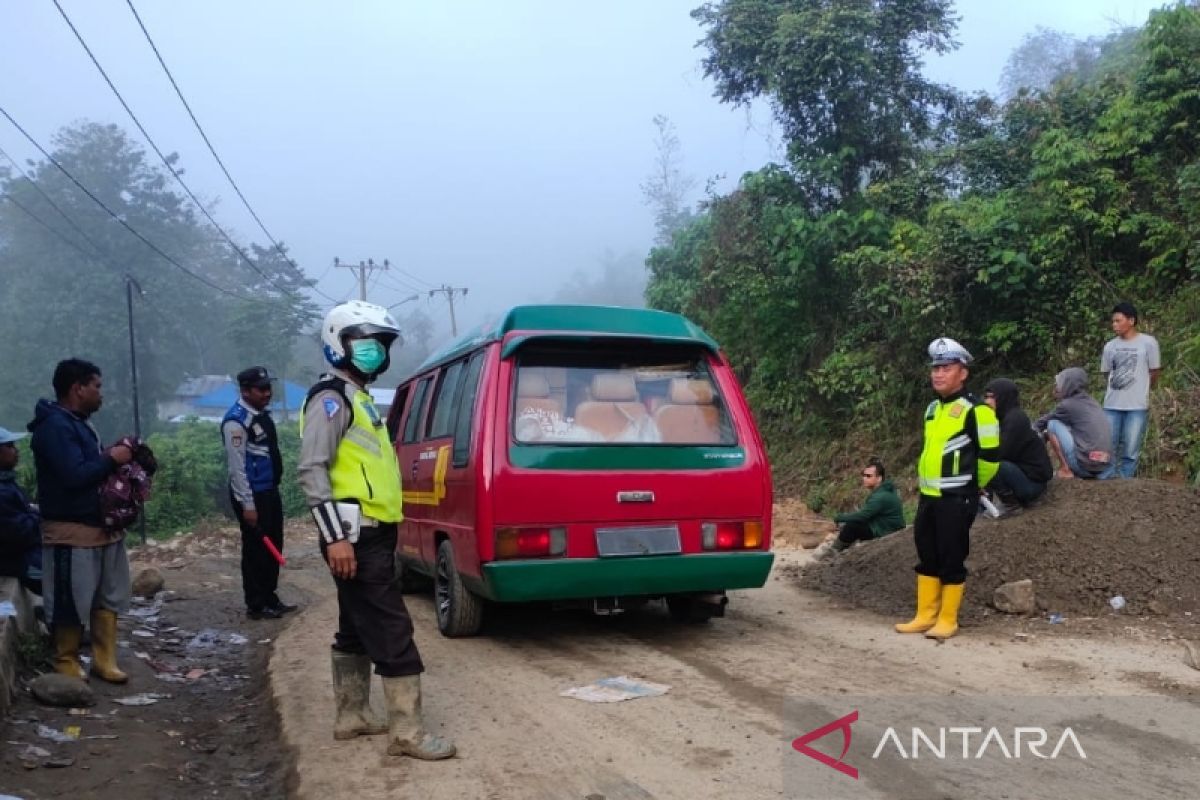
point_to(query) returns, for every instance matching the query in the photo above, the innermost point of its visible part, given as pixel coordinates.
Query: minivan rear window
(643, 394)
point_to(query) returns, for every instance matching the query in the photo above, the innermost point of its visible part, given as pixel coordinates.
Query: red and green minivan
(582, 455)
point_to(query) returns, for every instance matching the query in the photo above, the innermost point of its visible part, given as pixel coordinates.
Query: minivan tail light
(530, 542)
(721, 535)
(746, 535)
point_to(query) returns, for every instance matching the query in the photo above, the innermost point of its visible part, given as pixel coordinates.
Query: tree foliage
(1015, 229)
(843, 76)
(62, 282)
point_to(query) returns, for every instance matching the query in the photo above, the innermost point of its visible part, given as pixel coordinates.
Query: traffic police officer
(255, 469)
(960, 456)
(350, 476)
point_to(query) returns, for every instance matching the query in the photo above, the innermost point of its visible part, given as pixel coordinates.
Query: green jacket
(881, 512)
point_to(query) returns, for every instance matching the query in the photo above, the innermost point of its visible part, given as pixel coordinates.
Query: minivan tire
(459, 612)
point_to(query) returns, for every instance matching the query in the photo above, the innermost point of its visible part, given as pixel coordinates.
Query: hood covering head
(1007, 396)
(1070, 382)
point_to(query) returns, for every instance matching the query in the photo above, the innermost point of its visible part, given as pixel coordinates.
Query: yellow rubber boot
(66, 651)
(947, 623)
(104, 646)
(929, 591)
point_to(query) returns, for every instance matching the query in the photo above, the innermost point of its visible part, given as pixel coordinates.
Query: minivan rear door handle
(635, 497)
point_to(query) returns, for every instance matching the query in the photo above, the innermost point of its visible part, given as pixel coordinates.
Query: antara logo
(937, 744)
(800, 744)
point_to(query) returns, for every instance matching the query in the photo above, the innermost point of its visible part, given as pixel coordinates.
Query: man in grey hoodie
(1077, 429)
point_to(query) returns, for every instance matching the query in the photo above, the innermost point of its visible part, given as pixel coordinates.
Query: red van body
(580, 454)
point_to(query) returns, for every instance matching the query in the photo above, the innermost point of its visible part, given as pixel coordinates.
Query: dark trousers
(942, 531)
(852, 532)
(1011, 480)
(260, 570)
(372, 617)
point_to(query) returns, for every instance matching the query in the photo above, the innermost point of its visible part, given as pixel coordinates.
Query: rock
(1015, 598)
(148, 583)
(62, 691)
(1190, 655)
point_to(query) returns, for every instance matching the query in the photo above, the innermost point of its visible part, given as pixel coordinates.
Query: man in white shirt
(1130, 364)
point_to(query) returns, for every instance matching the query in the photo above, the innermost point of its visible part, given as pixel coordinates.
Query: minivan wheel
(689, 610)
(459, 613)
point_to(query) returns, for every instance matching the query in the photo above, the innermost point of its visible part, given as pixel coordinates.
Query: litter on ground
(614, 690)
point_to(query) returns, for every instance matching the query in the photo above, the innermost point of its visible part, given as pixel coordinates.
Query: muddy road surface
(723, 730)
(257, 723)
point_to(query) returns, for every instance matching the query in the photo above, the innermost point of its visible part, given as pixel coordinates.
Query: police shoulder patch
(236, 439)
(331, 407)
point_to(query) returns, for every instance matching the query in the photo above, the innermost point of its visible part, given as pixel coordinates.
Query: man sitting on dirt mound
(1077, 429)
(958, 458)
(1025, 468)
(880, 515)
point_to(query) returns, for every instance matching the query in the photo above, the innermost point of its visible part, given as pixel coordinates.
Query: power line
(121, 221)
(410, 276)
(8, 196)
(402, 285)
(53, 205)
(213, 150)
(154, 146)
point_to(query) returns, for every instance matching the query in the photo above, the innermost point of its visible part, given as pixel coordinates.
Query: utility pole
(130, 285)
(449, 292)
(362, 270)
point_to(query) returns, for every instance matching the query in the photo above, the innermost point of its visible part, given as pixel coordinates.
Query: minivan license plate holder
(652, 540)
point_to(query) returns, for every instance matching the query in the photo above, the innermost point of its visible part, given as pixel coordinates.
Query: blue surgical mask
(367, 355)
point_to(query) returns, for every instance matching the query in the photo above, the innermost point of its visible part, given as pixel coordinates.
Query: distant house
(211, 405)
(183, 403)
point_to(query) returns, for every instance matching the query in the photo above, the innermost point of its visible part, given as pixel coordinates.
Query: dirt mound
(794, 525)
(1085, 542)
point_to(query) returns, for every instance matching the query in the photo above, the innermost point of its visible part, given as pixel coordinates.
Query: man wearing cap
(20, 522)
(960, 456)
(255, 470)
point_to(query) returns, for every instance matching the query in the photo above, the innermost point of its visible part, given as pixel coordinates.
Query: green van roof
(595, 320)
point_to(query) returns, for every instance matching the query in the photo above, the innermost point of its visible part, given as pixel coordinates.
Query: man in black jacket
(20, 523)
(1025, 468)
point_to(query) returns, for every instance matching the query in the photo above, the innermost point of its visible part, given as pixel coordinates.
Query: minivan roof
(615, 321)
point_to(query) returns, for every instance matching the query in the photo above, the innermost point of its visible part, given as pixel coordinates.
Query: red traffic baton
(278, 556)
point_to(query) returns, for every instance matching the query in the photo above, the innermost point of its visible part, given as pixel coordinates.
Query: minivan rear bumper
(569, 578)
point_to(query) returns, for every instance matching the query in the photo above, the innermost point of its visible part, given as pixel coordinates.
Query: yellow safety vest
(952, 462)
(364, 469)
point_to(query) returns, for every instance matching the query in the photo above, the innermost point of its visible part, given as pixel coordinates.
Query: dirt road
(720, 732)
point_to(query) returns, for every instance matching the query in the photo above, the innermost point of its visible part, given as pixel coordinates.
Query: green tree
(667, 187)
(843, 76)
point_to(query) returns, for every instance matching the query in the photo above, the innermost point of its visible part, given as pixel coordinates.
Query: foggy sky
(493, 145)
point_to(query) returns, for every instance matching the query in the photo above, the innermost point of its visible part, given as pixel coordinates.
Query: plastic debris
(1056, 618)
(55, 735)
(1117, 603)
(143, 699)
(142, 633)
(237, 638)
(614, 690)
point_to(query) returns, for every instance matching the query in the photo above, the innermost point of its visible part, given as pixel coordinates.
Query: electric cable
(210, 284)
(166, 162)
(213, 150)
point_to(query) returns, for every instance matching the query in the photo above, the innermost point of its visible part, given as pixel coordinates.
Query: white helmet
(356, 320)
(945, 350)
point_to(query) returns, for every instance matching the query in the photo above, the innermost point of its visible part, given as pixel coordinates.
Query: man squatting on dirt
(959, 457)
(349, 475)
